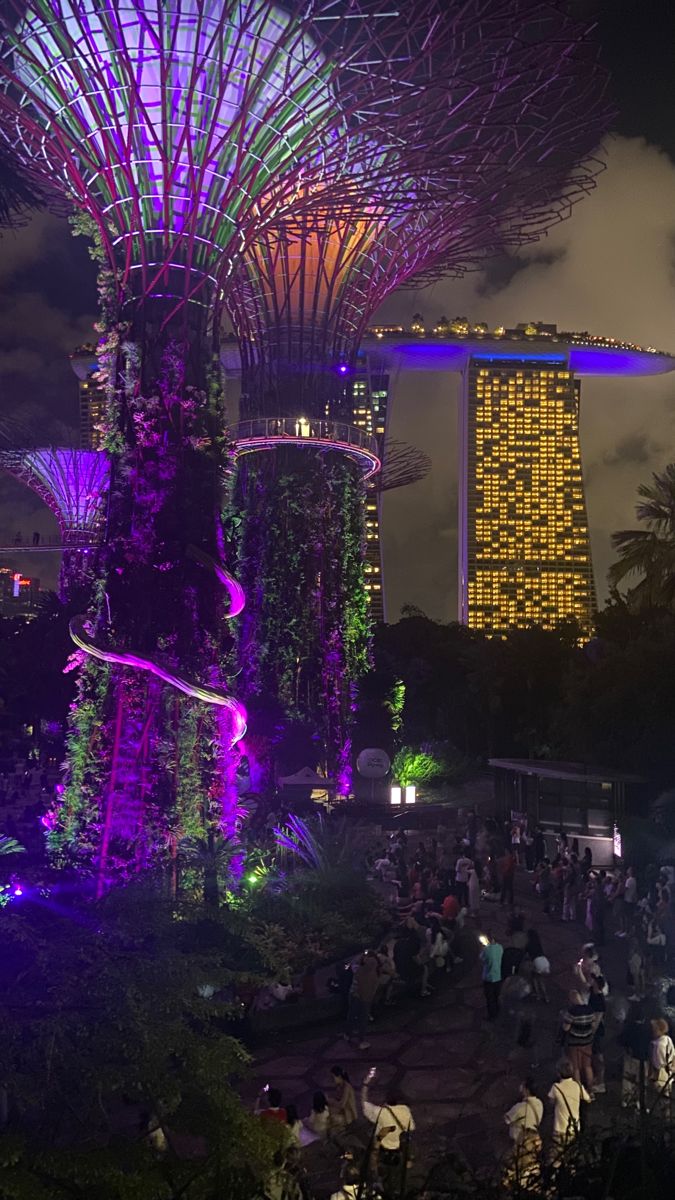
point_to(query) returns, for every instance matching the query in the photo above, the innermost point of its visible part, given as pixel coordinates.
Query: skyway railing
(299, 428)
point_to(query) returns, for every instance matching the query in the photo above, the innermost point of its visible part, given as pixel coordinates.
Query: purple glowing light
(232, 586)
(72, 483)
(190, 687)
(435, 354)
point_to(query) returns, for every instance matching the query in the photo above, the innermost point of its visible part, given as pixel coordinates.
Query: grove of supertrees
(178, 132)
(293, 162)
(505, 150)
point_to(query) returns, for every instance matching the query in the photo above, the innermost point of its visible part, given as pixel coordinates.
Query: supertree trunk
(304, 634)
(159, 718)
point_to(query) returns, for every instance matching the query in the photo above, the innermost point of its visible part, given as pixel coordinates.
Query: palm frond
(297, 838)
(17, 195)
(9, 845)
(650, 552)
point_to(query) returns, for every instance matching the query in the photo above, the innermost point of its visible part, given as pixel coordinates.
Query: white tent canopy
(306, 778)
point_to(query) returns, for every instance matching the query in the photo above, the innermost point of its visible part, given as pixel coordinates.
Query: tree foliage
(650, 552)
(17, 194)
(113, 1016)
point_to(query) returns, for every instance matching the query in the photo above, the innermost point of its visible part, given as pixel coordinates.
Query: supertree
(519, 110)
(402, 465)
(179, 131)
(74, 485)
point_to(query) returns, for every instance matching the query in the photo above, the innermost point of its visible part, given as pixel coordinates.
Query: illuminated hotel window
(524, 500)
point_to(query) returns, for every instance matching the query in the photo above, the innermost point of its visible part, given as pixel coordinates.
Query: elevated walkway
(268, 433)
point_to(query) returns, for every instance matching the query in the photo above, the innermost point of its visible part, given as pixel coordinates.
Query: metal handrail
(301, 428)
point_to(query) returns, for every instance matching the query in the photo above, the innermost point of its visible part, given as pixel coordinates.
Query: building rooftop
(579, 772)
(448, 346)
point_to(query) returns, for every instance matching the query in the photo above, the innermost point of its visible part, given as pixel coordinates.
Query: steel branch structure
(185, 128)
(402, 465)
(513, 110)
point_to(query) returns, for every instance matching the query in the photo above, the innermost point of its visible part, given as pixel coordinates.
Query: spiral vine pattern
(168, 673)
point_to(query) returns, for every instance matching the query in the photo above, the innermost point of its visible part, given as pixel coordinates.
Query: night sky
(610, 269)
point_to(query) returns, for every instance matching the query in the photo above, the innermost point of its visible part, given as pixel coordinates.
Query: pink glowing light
(190, 687)
(269, 433)
(233, 588)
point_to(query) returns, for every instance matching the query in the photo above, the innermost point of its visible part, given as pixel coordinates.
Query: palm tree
(9, 845)
(318, 845)
(212, 855)
(650, 552)
(17, 194)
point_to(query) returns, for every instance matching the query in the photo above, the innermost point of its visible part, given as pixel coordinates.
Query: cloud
(610, 269)
(633, 448)
(25, 247)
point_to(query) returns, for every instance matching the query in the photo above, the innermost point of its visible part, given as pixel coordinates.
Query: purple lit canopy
(72, 483)
(186, 127)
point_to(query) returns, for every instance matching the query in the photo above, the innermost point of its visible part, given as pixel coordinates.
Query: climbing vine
(304, 639)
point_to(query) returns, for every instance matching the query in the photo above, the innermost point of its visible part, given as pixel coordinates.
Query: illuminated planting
(518, 112)
(74, 484)
(180, 131)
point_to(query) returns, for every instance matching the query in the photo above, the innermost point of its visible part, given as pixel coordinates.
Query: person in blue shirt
(491, 967)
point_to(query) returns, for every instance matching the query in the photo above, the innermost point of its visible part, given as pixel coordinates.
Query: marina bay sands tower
(524, 544)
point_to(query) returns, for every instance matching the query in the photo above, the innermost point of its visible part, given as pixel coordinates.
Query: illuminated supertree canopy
(519, 111)
(185, 128)
(180, 131)
(74, 485)
(503, 153)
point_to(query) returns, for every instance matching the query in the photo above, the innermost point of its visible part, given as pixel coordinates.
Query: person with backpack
(566, 1096)
(579, 1024)
(394, 1124)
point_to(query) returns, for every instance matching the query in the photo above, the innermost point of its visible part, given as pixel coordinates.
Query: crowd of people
(333, 1119)
(439, 889)
(636, 908)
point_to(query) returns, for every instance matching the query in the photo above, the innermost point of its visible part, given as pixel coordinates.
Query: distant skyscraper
(525, 555)
(91, 397)
(369, 398)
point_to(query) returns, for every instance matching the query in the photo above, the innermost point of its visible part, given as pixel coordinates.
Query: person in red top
(450, 908)
(268, 1105)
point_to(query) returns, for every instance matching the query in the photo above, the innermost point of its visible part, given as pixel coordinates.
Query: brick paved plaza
(458, 1072)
